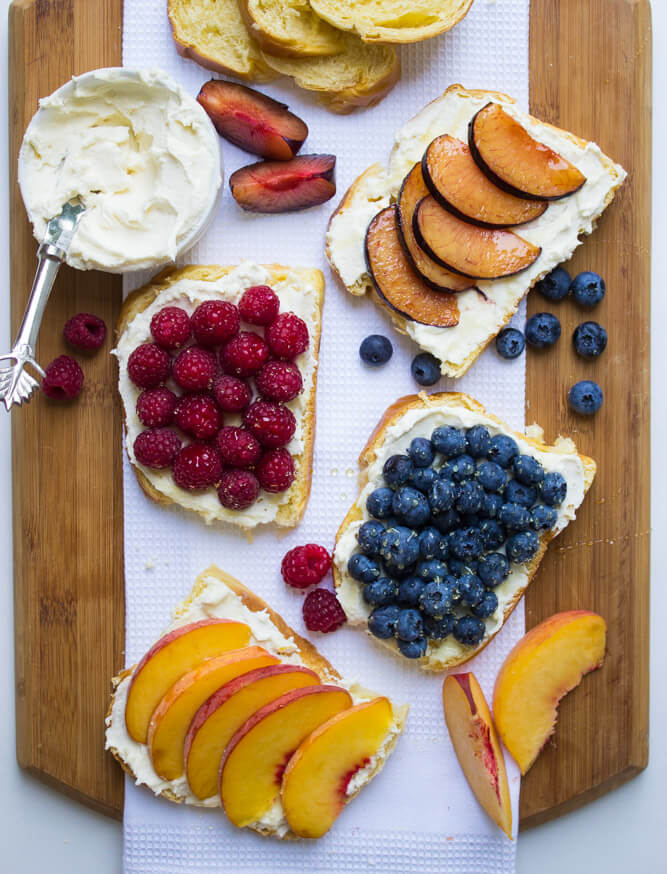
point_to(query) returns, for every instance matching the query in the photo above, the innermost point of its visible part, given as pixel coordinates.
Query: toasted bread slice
(398, 21)
(216, 594)
(291, 30)
(287, 508)
(402, 421)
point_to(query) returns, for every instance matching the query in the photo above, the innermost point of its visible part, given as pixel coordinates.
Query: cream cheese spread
(140, 153)
(557, 231)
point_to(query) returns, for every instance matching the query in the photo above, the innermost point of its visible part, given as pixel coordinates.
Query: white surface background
(620, 832)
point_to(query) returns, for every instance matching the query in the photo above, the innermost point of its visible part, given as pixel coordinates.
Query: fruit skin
(238, 489)
(306, 565)
(198, 415)
(244, 355)
(542, 330)
(279, 381)
(588, 289)
(376, 350)
(63, 379)
(553, 489)
(425, 369)
(542, 667)
(148, 365)
(585, 397)
(555, 286)
(171, 328)
(237, 447)
(85, 331)
(476, 745)
(284, 186)
(382, 621)
(469, 630)
(155, 407)
(157, 448)
(197, 466)
(287, 336)
(378, 503)
(232, 394)
(272, 424)
(195, 369)
(396, 470)
(510, 343)
(259, 305)
(503, 449)
(522, 547)
(322, 611)
(275, 470)
(590, 339)
(214, 322)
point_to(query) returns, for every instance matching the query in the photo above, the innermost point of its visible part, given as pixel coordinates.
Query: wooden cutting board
(590, 67)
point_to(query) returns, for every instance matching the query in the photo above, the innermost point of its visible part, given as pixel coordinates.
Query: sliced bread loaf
(291, 29)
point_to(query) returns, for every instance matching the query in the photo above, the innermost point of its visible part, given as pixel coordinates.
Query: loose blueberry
(588, 289)
(399, 548)
(422, 478)
(449, 441)
(437, 598)
(425, 369)
(380, 592)
(590, 339)
(503, 449)
(431, 570)
(466, 543)
(490, 506)
(553, 489)
(493, 534)
(469, 630)
(382, 621)
(478, 441)
(543, 518)
(421, 452)
(411, 507)
(376, 350)
(470, 589)
(441, 496)
(585, 397)
(368, 537)
(493, 569)
(363, 568)
(522, 547)
(542, 329)
(397, 470)
(487, 606)
(555, 285)
(517, 493)
(515, 517)
(469, 497)
(431, 543)
(510, 343)
(438, 629)
(447, 521)
(412, 649)
(491, 476)
(378, 503)
(528, 470)
(460, 468)
(409, 624)
(409, 591)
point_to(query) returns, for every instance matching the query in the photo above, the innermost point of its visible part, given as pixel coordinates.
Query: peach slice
(172, 717)
(219, 718)
(514, 161)
(252, 766)
(314, 788)
(477, 747)
(477, 252)
(544, 666)
(170, 658)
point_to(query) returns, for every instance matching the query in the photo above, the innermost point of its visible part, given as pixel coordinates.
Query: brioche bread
(216, 594)
(291, 29)
(397, 426)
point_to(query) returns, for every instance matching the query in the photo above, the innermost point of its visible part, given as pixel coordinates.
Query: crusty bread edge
(451, 400)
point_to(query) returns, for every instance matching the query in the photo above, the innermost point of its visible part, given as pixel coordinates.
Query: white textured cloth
(419, 815)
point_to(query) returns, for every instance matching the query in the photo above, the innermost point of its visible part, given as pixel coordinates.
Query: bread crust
(449, 400)
(291, 512)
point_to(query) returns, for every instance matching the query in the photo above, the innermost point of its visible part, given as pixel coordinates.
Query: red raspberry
(148, 365)
(279, 381)
(322, 611)
(170, 328)
(231, 393)
(259, 305)
(306, 565)
(244, 355)
(197, 466)
(85, 331)
(155, 407)
(157, 448)
(238, 447)
(198, 415)
(195, 369)
(63, 379)
(287, 336)
(275, 470)
(238, 489)
(272, 424)
(214, 322)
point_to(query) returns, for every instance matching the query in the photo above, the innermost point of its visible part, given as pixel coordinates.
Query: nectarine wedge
(476, 746)
(473, 251)
(513, 160)
(171, 657)
(314, 788)
(457, 183)
(544, 666)
(252, 766)
(219, 718)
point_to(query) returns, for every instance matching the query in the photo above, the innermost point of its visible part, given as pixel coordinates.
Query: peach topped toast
(224, 724)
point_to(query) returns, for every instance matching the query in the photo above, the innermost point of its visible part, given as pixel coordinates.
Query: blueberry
(382, 621)
(422, 478)
(469, 496)
(411, 507)
(528, 470)
(487, 606)
(399, 548)
(490, 506)
(469, 630)
(447, 521)
(493, 569)
(431, 544)
(510, 343)
(517, 493)
(441, 496)
(503, 449)
(590, 339)
(553, 489)
(585, 397)
(438, 629)
(380, 592)
(542, 329)
(478, 441)
(368, 537)
(425, 369)
(431, 570)
(437, 598)
(493, 534)
(470, 589)
(409, 591)
(458, 568)
(555, 285)
(421, 452)
(409, 624)
(522, 547)
(376, 350)
(515, 517)
(491, 476)
(460, 468)
(466, 543)
(588, 289)
(412, 649)
(543, 518)
(449, 441)
(397, 470)
(378, 503)
(363, 568)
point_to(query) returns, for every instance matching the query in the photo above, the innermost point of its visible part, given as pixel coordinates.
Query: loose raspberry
(259, 305)
(287, 336)
(198, 415)
(171, 328)
(197, 466)
(63, 379)
(157, 448)
(85, 331)
(272, 424)
(306, 565)
(238, 489)
(275, 470)
(155, 407)
(231, 393)
(322, 611)
(279, 381)
(148, 365)
(244, 355)
(238, 447)
(214, 322)
(195, 369)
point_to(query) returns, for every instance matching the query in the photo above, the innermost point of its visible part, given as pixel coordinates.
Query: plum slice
(467, 249)
(397, 284)
(284, 186)
(252, 121)
(457, 183)
(434, 275)
(514, 161)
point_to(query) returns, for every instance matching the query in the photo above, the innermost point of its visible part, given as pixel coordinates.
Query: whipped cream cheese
(296, 296)
(141, 154)
(562, 458)
(557, 231)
